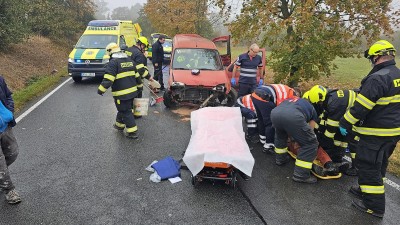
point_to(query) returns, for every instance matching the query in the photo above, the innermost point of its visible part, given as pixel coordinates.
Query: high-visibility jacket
(141, 63)
(336, 103)
(377, 106)
(247, 102)
(280, 92)
(122, 76)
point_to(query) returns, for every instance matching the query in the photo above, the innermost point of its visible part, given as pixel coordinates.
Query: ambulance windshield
(95, 41)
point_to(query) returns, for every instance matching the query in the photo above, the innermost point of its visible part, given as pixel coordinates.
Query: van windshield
(202, 59)
(96, 41)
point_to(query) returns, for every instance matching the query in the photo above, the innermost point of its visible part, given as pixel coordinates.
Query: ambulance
(89, 58)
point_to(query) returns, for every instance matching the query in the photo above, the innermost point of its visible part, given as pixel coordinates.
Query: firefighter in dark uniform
(334, 104)
(377, 110)
(136, 52)
(295, 117)
(123, 77)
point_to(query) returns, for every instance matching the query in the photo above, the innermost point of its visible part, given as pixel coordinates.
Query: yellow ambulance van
(89, 58)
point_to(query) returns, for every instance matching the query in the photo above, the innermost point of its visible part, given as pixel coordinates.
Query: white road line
(387, 181)
(40, 102)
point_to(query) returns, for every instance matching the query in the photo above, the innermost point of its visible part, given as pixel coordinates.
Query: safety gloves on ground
(233, 81)
(343, 131)
(261, 82)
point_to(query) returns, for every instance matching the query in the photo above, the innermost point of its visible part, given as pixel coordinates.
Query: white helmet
(113, 48)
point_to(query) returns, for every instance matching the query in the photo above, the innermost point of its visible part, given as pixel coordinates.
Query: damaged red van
(197, 75)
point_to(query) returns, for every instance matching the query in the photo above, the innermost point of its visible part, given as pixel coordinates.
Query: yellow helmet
(317, 94)
(381, 47)
(144, 41)
(112, 48)
(305, 95)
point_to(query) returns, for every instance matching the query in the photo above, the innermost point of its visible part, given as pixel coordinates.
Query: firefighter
(334, 104)
(295, 117)
(123, 77)
(377, 111)
(136, 52)
(265, 98)
(249, 113)
(249, 64)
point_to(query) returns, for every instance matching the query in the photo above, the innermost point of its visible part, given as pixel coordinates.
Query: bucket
(141, 106)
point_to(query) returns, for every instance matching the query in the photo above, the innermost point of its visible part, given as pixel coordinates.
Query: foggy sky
(112, 4)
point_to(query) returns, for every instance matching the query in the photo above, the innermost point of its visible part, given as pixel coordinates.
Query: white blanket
(217, 136)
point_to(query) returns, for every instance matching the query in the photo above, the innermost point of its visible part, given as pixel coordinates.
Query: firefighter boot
(352, 171)
(282, 159)
(356, 190)
(359, 204)
(132, 135)
(303, 175)
(119, 126)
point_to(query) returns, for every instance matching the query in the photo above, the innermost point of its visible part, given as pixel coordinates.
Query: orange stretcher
(217, 171)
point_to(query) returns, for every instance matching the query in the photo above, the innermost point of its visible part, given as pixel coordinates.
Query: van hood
(205, 77)
(88, 54)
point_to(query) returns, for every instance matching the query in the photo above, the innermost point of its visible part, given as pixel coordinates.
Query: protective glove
(233, 81)
(343, 131)
(100, 92)
(261, 82)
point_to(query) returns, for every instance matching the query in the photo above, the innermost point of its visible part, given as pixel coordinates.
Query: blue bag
(167, 168)
(5, 117)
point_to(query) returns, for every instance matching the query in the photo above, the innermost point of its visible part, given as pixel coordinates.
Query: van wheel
(168, 101)
(232, 97)
(77, 79)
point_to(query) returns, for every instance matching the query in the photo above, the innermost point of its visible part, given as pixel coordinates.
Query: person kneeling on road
(122, 76)
(249, 113)
(295, 117)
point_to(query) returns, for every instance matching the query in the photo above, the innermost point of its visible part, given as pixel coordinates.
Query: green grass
(35, 88)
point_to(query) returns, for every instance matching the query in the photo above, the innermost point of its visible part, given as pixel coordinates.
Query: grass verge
(36, 88)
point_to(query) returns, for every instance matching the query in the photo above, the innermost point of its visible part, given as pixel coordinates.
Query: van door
(223, 44)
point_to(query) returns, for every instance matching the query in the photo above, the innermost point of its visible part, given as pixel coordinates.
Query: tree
(145, 24)
(179, 16)
(101, 9)
(13, 26)
(121, 13)
(59, 18)
(305, 36)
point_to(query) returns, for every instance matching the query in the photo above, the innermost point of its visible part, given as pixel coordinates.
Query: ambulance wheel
(194, 180)
(77, 79)
(233, 183)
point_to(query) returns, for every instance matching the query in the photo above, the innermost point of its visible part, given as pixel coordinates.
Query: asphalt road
(74, 168)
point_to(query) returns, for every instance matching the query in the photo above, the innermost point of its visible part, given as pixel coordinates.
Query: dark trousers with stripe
(264, 123)
(251, 120)
(290, 121)
(372, 161)
(245, 89)
(125, 115)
